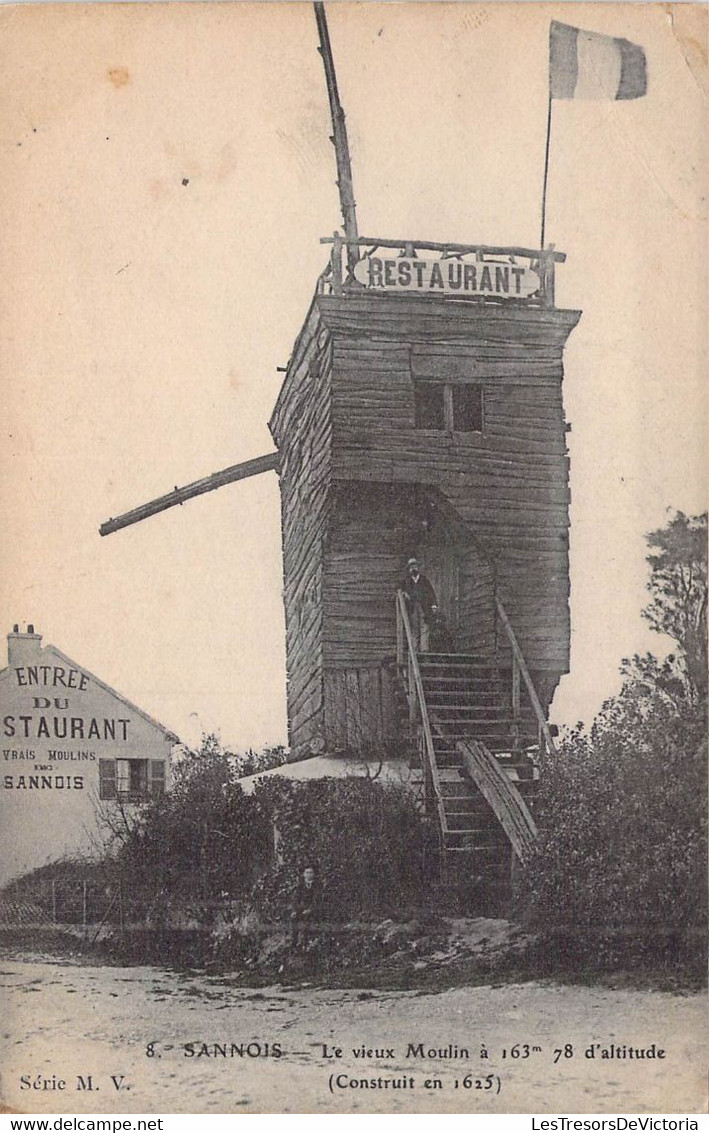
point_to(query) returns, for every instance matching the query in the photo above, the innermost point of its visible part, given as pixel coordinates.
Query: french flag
(583, 64)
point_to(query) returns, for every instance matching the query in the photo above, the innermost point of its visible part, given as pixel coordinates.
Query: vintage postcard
(355, 578)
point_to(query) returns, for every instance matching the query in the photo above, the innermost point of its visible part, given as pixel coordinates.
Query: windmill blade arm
(339, 138)
(197, 488)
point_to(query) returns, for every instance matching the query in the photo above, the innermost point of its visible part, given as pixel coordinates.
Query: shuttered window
(452, 407)
(428, 405)
(467, 407)
(123, 777)
(157, 776)
(107, 778)
(132, 780)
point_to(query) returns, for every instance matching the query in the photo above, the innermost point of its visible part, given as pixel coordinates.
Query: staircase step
(468, 815)
(500, 720)
(490, 850)
(458, 688)
(485, 839)
(502, 744)
(449, 743)
(481, 831)
(478, 683)
(493, 710)
(460, 803)
(453, 668)
(492, 835)
(430, 679)
(458, 700)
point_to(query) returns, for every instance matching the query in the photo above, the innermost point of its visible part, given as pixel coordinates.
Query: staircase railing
(407, 660)
(505, 800)
(519, 669)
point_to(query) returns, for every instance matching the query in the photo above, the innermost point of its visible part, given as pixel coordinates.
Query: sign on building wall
(450, 276)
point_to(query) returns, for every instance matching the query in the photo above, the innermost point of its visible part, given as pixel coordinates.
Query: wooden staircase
(468, 699)
(476, 741)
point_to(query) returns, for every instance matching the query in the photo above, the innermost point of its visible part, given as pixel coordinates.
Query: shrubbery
(366, 840)
(622, 810)
(202, 840)
(623, 825)
(207, 839)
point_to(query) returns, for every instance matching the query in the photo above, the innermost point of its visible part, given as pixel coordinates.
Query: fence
(79, 903)
(93, 907)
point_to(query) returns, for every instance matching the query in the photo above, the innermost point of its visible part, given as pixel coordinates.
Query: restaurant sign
(448, 277)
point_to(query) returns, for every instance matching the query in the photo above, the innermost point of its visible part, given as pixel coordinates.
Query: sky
(167, 177)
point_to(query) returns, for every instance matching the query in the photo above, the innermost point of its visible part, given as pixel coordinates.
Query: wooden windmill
(421, 414)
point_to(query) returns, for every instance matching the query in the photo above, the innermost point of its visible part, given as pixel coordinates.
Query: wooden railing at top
(338, 277)
(406, 655)
(519, 669)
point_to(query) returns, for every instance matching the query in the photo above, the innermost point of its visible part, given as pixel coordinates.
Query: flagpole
(546, 173)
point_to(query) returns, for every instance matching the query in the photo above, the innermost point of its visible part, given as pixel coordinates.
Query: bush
(366, 841)
(622, 817)
(207, 840)
(202, 840)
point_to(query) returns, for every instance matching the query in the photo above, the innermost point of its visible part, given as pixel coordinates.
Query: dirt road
(129, 1040)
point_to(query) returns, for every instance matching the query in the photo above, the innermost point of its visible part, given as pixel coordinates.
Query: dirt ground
(123, 1033)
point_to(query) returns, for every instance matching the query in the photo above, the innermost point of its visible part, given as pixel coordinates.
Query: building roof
(328, 767)
(167, 732)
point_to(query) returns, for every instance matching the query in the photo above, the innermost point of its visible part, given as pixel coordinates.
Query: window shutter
(107, 778)
(467, 408)
(429, 412)
(139, 778)
(157, 776)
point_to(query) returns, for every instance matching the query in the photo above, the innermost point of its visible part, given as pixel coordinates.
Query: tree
(678, 585)
(249, 762)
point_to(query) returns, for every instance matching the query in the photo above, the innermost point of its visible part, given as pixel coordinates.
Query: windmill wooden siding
(301, 425)
(360, 482)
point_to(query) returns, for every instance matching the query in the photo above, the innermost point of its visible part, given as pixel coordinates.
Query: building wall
(72, 750)
(371, 533)
(372, 530)
(301, 426)
(509, 483)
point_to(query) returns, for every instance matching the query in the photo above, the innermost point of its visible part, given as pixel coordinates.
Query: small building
(73, 749)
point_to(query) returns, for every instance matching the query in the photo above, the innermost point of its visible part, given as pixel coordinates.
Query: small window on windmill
(429, 408)
(467, 408)
(451, 407)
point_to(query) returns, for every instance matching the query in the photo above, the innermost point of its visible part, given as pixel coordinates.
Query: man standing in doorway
(421, 601)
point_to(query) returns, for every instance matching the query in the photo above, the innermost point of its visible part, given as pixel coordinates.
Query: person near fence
(307, 907)
(421, 602)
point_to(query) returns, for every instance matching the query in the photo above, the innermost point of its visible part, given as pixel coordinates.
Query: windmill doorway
(463, 579)
(441, 566)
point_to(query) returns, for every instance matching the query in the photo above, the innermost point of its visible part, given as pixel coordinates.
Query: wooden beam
(197, 488)
(339, 139)
(507, 803)
(462, 249)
